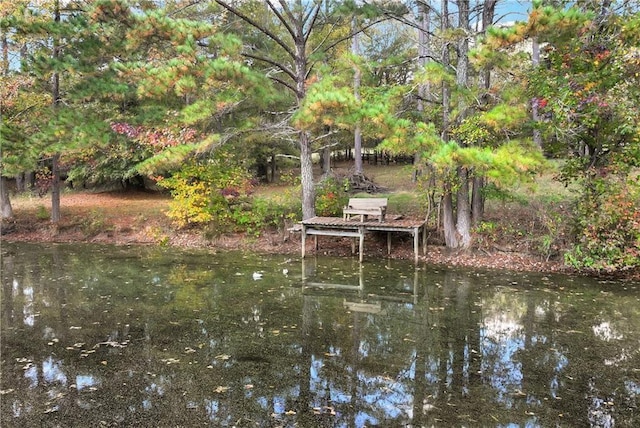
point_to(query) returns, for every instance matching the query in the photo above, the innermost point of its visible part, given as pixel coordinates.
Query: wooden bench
(365, 207)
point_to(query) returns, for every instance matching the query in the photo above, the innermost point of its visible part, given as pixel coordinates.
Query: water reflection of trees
(196, 341)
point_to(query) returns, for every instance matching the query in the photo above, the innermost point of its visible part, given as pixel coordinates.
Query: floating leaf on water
(111, 343)
(519, 393)
(327, 410)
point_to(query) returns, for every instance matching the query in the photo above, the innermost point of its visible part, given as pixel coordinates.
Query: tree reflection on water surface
(119, 336)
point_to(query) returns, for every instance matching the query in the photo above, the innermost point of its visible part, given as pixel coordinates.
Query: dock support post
(361, 230)
(304, 239)
(416, 243)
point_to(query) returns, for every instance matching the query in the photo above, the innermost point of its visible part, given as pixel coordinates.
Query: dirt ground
(132, 217)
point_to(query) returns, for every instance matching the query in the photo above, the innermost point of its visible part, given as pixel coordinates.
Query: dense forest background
(206, 99)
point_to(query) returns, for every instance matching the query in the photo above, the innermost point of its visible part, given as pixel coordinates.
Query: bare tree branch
(284, 69)
(257, 26)
(281, 18)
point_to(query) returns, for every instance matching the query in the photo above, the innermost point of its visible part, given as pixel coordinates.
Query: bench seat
(365, 207)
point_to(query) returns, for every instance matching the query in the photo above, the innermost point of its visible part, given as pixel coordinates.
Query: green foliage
(608, 227)
(42, 213)
(93, 223)
(217, 194)
(328, 102)
(492, 191)
(207, 190)
(407, 137)
(332, 195)
(267, 213)
(589, 99)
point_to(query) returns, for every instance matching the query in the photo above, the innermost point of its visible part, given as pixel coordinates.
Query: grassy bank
(525, 227)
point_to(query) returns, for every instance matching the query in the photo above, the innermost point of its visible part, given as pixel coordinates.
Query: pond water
(137, 336)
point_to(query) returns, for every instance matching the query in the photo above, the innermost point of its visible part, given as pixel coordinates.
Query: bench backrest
(365, 203)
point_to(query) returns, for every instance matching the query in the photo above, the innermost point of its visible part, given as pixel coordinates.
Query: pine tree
(466, 142)
(295, 39)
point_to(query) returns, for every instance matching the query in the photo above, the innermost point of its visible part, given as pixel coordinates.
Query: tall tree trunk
(357, 76)
(448, 220)
(477, 200)
(274, 168)
(424, 39)
(20, 182)
(306, 175)
(326, 159)
(446, 63)
(535, 58)
(477, 191)
(463, 208)
(306, 163)
(55, 188)
(462, 68)
(6, 211)
(448, 215)
(55, 93)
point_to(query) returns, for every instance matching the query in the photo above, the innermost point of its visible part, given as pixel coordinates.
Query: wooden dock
(337, 226)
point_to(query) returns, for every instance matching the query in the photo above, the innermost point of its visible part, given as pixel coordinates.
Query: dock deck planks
(337, 226)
